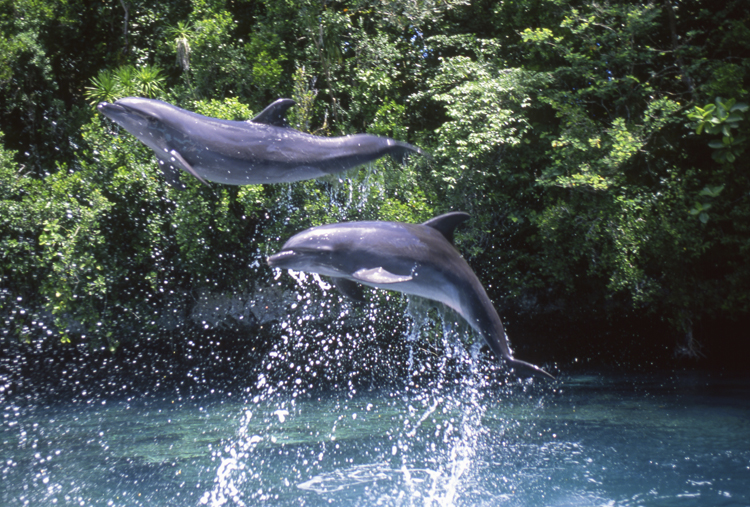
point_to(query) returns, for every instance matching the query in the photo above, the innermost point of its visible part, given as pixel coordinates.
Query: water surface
(599, 439)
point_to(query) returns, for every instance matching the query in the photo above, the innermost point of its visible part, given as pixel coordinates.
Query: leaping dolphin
(417, 259)
(262, 150)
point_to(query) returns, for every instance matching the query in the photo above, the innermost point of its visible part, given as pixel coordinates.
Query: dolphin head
(151, 121)
(335, 250)
(313, 250)
(370, 253)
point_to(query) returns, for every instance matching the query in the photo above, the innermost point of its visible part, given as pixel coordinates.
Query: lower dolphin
(418, 259)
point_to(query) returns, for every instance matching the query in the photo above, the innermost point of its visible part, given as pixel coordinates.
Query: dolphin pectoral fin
(171, 175)
(275, 114)
(350, 289)
(183, 164)
(379, 275)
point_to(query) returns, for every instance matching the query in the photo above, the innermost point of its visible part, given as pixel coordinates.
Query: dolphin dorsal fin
(446, 224)
(275, 114)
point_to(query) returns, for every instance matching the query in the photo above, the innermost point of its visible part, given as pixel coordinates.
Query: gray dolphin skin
(262, 150)
(417, 259)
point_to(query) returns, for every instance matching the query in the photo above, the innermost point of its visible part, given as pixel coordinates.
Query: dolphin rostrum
(417, 259)
(262, 150)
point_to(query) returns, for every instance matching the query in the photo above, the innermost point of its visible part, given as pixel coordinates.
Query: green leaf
(695, 114)
(712, 191)
(735, 117)
(698, 207)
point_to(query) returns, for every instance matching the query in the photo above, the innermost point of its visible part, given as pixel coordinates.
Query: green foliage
(722, 117)
(594, 202)
(51, 241)
(216, 62)
(126, 81)
(181, 34)
(574, 134)
(77, 286)
(228, 109)
(303, 95)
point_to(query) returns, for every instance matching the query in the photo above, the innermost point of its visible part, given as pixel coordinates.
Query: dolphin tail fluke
(525, 370)
(400, 151)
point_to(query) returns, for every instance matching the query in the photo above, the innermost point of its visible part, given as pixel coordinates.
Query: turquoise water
(463, 437)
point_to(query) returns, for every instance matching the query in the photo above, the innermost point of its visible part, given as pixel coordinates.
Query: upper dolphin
(262, 150)
(417, 259)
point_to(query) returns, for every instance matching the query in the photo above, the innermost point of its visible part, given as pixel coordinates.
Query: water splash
(428, 431)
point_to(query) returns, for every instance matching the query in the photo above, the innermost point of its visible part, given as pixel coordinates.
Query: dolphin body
(417, 259)
(262, 150)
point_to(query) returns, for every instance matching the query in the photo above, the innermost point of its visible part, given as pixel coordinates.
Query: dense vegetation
(599, 147)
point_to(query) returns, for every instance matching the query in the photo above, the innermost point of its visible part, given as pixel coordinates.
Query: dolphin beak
(109, 110)
(278, 260)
